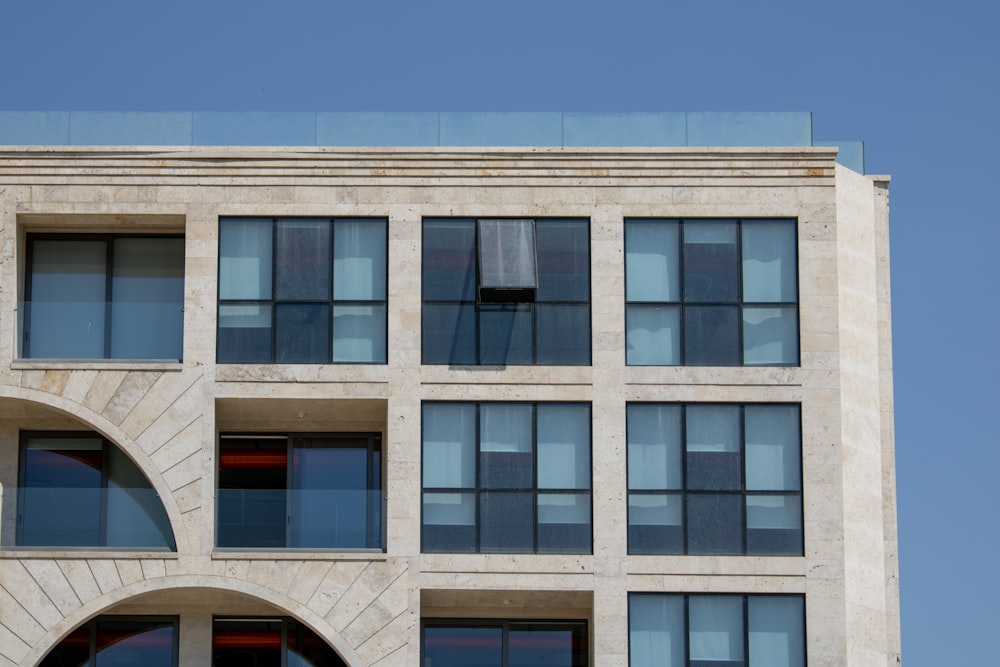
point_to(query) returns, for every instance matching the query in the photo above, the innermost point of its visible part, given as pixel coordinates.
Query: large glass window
(506, 292)
(103, 297)
(711, 292)
(714, 479)
(307, 491)
(506, 478)
(79, 490)
(118, 641)
(673, 630)
(302, 290)
(496, 643)
(269, 642)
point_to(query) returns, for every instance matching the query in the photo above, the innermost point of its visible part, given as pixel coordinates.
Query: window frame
(580, 628)
(478, 489)
(746, 597)
(682, 304)
(684, 493)
(288, 626)
(109, 241)
(106, 445)
(331, 303)
(375, 476)
(520, 300)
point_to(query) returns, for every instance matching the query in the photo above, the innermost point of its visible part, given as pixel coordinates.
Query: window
(500, 643)
(118, 641)
(506, 292)
(506, 478)
(711, 293)
(302, 290)
(307, 491)
(714, 479)
(269, 642)
(79, 490)
(104, 297)
(716, 630)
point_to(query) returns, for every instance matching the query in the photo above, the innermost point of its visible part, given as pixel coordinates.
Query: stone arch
(108, 602)
(96, 422)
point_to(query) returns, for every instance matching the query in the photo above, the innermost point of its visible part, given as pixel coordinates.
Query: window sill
(299, 554)
(84, 553)
(95, 365)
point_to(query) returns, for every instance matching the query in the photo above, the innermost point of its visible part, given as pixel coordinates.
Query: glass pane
(563, 446)
(62, 492)
(773, 452)
(711, 336)
(251, 506)
(449, 523)
(776, 630)
(359, 334)
(774, 525)
(715, 524)
(656, 635)
(769, 271)
(507, 254)
(359, 253)
(505, 332)
(449, 260)
(68, 300)
(505, 446)
(507, 522)
(652, 262)
(245, 258)
(770, 336)
(655, 524)
(546, 644)
(244, 334)
(564, 523)
(653, 335)
(562, 335)
(307, 649)
(135, 515)
(654, 446)
(302, 333)
(563, 260)
(330, 499)
(147, 291)
(242, 642)
(716, 628)
(713, 447)
(73, 650)
(448, 334)
(129, 643)
(302, 259)
(449, 436)
(711, 265)
(463, 647)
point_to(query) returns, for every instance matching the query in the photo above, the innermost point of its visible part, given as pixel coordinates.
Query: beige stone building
(431, 404)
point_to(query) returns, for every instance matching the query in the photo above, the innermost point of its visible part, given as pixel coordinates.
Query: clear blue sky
(916, 80)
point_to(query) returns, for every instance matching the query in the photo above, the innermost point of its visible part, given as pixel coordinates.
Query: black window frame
(91, 627)
(109, 241)
(683, 304)
(746, 621)
(331, 303)
(375, 483)
(580, 628)
(683, 492)
(484, 301)
(479, 489)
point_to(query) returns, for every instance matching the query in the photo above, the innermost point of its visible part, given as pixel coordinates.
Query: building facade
(445, 405)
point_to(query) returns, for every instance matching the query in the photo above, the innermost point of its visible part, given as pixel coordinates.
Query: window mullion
(108, 293)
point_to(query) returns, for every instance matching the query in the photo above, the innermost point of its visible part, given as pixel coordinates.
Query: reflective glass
(123, 643)
(562, 334)
(564, 523)
(253, 478)
(449, 523)
(544, 645)
(505, 332)
(563, 446)
(507, 254)
(563, 260)
(770, 335)
(507, 522)
(773, 450)
(359, 254)
(774, 525)
(135, 515)
(448, 334)
(714, 524)
(359, 334)
(776, 625)
(715, 630)
(329, 500)
(652, 261)
(713, 447)
(449, 449)
(506, 459)
(147, 292)
(302, 259)
(244, 333)
(711, 336)
(302, 333)
(655, 523)
(656, 635)
(245, 258)
(449, 260)
(463, 647)
(653, 335)
(62, 501)
(654, 446)
(769, 271)
(711, 265)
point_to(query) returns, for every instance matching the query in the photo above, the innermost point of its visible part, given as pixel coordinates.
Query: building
(588, 389)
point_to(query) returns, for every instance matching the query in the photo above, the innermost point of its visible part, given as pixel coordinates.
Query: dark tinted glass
(505, 334)
(302, 260)
(302, 333)
(73, 650)
(711, 264)
(562, 335)
(244, 333)
(449, 260)
(129, 643)
(715, 524)
(506, 522)
(62, 494)
(252, 480)
(545, 645)
(563, 260)
(711, 336)
(449, 334)
(463, 647)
